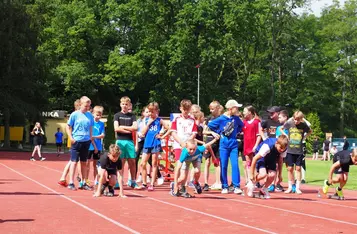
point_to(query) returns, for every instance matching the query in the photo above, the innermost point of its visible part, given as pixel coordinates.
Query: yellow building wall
(51, 129)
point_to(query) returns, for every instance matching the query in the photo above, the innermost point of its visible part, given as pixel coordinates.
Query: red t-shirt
(251, 131)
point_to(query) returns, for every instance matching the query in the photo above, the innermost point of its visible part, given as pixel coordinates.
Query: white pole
(198, 86)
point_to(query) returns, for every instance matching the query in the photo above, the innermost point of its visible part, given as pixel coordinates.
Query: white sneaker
(298, 191)
(216, 186)
(32, 159)
(289, 190)
(266, 193)
(139, 179)
(224, 191)
(237, 191)
(160, 181)
(43, 159)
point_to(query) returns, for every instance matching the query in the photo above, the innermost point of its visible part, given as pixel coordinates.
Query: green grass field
(316, 173)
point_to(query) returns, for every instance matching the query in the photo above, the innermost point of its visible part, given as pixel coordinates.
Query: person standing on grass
(228, 126)
(315, 148)
(79, 131)
(346, 144)
(98, 135)
(124, 125)
(38, 134)
(59, 141)
(326, 146)
(298, 129)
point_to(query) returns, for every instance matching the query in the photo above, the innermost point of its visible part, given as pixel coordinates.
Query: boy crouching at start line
(268, 154)
(190, 154)
(109, 172)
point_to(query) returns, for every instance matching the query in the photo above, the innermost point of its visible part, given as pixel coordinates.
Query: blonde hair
(221, 109)
(125, 99)
(298, 115)
(283, 141)
(77, 104)
(153, 106)
(191, 141)
(114, 150)
(215, 104)
(98, 109)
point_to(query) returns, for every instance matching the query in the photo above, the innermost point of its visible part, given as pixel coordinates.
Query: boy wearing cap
(271, 124)
(228, 126)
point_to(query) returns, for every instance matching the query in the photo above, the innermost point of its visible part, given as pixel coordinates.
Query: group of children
(266, 147)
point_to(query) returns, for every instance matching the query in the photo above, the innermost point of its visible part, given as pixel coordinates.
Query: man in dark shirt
(346, 144)
(109, 172)
(270, 125)
(341, 166)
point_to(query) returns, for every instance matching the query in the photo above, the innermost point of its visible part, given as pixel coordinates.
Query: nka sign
(54, 114)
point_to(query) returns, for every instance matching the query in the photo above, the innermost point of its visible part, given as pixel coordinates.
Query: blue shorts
(267, 164)
(152, 150)
(79, 151)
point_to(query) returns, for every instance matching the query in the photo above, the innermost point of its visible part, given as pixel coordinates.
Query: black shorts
(294, 159)
(215, 149)
(37, 140)
(79, 151)
(91, 153)
(268, 164)
(316, 151)
(59, 144)
(343, 169)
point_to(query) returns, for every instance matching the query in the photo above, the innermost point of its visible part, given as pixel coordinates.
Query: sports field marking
(188, 209)
(284, 210)
(73, 201)
(202, 213)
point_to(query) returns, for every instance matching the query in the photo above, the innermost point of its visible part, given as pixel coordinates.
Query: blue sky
(316, 6)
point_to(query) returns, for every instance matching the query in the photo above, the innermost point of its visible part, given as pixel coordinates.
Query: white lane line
(188, 209)
(75, 202)
(287, 211)
(202, 213)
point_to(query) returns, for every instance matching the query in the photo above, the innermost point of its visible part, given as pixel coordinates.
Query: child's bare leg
(65, 171)
(197, 174)
(218, 175)
(154, 168)
(132, 168)
(270, 178)
(290, 178)
(144, 160)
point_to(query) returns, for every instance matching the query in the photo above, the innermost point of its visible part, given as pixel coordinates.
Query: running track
(32, 202)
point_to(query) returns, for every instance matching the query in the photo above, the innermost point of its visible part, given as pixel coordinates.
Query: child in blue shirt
(228, 126)
(59, 141)
(190, 154)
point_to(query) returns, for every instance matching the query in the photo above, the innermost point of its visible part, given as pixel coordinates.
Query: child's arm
(177, 139)
(146, 126)
(100, 182)
(120, 129)
(211, 142)
(333, 168)
(253, 165)
(92, 139)
(166, 134)
(120, 181)
(280, 168)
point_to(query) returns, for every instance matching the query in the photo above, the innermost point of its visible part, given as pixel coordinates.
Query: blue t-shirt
(81, 124)
(218, 125)
(59, 137)
(150, 137)
(98, 129)
(279, 132)
(186, 157)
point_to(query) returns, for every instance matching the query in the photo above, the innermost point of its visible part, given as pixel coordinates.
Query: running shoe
(265, 192)
(32, 159)
(134, 185)
(325, 187)
(293, 188)
(116, 185)
(160, 181)
(279, 188)
(224, 191)
(151, 188)
(42, 159)
(191, 185)
(216, 186)
(339, 193)
(206, 187)
(237, 190)
(298, 191)
(86, 187)
(63, 183)
(197, 187)
(271, 188)
(71, 187)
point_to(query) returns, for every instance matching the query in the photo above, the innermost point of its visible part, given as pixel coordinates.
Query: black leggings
(140, 148)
